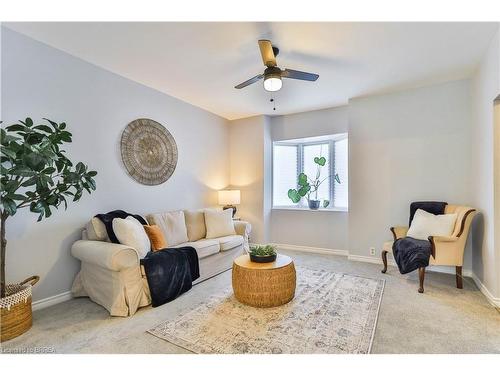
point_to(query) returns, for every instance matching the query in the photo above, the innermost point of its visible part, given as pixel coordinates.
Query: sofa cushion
(195, 224)
(173, 226)
(130, 232)
(219, 223)
(204, 248)
(230, 242)
(96, 230)
(156, 237)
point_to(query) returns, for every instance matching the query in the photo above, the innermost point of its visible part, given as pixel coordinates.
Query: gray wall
(247, 159)
(403, 147)
(307, 228)
(416, 144)
(486, 89)
(40, 81)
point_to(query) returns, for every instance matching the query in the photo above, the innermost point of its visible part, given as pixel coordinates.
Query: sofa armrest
(242, 228)
(112, 256)
(446, 246)
(399, 232)
(437, 239)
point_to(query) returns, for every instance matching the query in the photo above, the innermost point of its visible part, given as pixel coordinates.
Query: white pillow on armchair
(425, 224)
(219, 223)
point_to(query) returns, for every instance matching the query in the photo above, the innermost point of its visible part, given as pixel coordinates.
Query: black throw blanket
(107, 219)
(170, 272)
(410, 253)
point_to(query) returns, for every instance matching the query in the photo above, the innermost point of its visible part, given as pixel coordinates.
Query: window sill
(333, 209)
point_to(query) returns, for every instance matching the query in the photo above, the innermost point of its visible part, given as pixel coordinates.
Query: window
(296, 156)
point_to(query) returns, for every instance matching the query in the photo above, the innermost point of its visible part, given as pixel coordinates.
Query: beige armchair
(446, 251)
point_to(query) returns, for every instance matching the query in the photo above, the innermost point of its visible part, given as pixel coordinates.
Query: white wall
(40, 81)
(406, 146)
(247, 158)
(310, 228)
(486, 87)
(496, 207)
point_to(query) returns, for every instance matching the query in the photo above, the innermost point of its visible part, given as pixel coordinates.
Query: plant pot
(313, 204)
(16, 314)
(262, 259)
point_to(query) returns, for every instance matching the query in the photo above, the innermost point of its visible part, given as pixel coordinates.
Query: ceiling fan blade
(266, 50)
(249, 82)
(297, 74)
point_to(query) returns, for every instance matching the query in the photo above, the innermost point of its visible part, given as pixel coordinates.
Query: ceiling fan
(272, 74)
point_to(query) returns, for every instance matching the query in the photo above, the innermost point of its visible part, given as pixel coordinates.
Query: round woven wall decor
(149, 152)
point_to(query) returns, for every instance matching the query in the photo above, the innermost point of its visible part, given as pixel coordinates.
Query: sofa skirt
(123, 292)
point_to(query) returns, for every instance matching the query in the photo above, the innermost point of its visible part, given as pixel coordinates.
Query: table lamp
(229, 198)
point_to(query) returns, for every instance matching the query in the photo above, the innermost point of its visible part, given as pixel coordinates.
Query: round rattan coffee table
(264, 284)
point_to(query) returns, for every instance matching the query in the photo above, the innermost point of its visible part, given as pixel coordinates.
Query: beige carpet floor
(331, 313)
(442, 320)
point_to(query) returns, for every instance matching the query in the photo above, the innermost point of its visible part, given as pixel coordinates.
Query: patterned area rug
(331, 313)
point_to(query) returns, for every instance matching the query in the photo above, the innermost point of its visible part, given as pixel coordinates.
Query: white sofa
(111, 274)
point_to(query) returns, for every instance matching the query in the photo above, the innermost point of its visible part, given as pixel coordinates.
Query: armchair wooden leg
(384, 260)
(421, 276)
(458, 276)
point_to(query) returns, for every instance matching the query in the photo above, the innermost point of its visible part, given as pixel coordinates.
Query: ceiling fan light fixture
(273, 73)
(272, 82)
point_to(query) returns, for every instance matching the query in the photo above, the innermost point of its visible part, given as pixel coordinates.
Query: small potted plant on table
(263, 253)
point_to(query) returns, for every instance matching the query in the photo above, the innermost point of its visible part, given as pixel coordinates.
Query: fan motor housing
(272, 71)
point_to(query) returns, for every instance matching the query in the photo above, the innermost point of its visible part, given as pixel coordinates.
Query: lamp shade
(229, 197)
(272, 84)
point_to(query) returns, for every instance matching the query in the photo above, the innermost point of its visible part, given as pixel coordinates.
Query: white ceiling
(200, 63)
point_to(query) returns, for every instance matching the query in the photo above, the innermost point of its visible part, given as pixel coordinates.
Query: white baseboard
(308, 249)
(369, 259)
(450, 270)
(390, 261)
(491, 299)
(66, 296)
(49, 301)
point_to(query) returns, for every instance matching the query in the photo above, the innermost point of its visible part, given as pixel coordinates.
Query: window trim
(300, 167)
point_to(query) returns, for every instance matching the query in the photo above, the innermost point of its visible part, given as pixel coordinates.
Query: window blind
(285, 172)
(290, 158)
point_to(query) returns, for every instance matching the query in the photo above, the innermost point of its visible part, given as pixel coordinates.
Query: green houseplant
(307, 186)
(263, 253)
(36, 174)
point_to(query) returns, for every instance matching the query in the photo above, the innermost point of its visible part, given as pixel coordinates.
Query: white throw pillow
(173, 226)
(425, 224)
(219, 223)
(130, 232)
(195, 224)
(96, 230)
